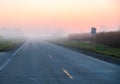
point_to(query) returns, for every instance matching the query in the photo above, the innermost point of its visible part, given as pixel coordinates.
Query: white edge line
(17, 50)
(4, 64)
(1, 67)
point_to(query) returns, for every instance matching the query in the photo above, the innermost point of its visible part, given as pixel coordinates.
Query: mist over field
(59, 41)
(57, 18)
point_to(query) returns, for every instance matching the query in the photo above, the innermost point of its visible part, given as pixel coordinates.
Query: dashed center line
(68, 74)
(50, 56)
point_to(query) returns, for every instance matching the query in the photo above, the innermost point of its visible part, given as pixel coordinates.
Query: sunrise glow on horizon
(70, 15)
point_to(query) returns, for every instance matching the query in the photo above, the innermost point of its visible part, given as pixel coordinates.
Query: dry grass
(109, 38)
(106, 38)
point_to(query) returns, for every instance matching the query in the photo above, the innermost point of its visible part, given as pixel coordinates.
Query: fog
(13, 33)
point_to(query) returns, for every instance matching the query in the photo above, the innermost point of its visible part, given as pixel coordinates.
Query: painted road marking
(4, 64)
(1, 67)
(68, 74)
(50, 56)
(17, 51)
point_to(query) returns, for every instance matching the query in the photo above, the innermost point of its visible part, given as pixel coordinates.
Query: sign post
(93, 32)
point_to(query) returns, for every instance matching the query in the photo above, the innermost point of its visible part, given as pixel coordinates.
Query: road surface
(44, 63)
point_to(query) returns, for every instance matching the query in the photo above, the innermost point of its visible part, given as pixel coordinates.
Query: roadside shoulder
(106, 58)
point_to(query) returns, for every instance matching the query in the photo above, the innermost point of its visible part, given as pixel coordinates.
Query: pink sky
(70, 15)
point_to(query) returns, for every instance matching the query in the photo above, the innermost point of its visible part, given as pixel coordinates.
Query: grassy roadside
(6, 45)
(96, 48)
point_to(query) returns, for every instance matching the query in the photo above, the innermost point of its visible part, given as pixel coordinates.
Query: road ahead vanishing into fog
(39, 62)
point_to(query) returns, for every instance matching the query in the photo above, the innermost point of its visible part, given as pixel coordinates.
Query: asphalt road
(44, 63)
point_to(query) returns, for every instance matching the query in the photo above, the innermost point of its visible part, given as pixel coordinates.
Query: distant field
(6, 45)
(97, 48)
